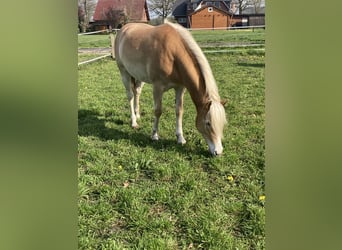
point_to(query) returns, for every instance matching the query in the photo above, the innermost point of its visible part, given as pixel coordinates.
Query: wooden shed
(210, 17)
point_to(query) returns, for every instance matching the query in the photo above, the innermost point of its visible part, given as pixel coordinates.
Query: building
(210, 17)
(213, 14)
(113, 13)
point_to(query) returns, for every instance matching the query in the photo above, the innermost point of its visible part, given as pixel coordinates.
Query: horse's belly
(139, 72)
(148, 69)
(146, 72)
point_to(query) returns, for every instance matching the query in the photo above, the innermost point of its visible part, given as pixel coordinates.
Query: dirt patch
(94, 50)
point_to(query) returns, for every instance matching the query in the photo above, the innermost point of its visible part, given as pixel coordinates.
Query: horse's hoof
(181, 140)
(155, 137)
(135, 126)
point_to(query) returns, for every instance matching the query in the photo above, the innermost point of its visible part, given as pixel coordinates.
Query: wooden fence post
(112, 42)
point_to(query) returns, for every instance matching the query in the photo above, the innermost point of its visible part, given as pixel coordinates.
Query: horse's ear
(223, 102)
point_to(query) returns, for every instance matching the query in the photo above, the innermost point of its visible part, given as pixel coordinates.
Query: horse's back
(129, 37)
(148, 52)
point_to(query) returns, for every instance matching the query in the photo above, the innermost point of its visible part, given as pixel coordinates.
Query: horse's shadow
(90, 123)
(257, 65)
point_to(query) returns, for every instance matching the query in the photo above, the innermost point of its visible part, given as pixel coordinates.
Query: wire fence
(109, 43)
(94, 59)
(94, 50)
(232, 28)
(93, 32)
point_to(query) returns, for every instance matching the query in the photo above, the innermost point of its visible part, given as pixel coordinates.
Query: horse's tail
(201, 59)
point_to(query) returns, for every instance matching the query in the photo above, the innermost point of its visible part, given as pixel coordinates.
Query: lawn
(94, 41)
(139, 194)
(222, 38)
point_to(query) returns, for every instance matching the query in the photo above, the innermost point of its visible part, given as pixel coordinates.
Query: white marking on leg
(179, 115)
(137, 91)
(157, 96)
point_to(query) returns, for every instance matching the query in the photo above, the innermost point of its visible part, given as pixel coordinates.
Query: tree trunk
(84, 27)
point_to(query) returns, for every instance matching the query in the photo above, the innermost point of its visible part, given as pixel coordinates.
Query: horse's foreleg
(137, 91)
(179, 115)
(157, 96)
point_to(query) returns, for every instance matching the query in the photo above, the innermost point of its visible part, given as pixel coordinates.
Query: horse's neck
(199, 95)
(190, 75)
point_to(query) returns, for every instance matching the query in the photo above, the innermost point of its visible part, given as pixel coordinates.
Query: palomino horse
(168, 57)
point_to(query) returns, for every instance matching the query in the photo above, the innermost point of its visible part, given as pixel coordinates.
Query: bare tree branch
(256, 5)
(162, 8)
(116, 18)
(86, 9)
(241, 5)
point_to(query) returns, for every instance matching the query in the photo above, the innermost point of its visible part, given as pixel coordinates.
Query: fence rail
(93, 32)
(94, 59)
(231, 28)
(99, 31)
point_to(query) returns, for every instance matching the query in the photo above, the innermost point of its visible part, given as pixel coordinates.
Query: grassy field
(222, 38)
(139, 194)
(94, 41)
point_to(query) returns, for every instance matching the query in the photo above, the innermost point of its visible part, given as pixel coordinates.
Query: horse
(168, 57)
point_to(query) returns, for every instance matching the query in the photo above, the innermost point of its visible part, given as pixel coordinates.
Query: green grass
(139, 194)
(219, 38)
(94, 41)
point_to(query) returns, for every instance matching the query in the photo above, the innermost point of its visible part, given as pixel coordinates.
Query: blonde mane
(218, 118)
(207, 74)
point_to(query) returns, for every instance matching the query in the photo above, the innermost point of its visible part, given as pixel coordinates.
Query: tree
(244, 4)
(256, 4)
(241, 5)
(116, 18)
(86, 9)
(81, 19)
(162, 8)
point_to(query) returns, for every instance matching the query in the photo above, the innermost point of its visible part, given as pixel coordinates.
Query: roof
(206, 6)
(135, 9)
(179, 8)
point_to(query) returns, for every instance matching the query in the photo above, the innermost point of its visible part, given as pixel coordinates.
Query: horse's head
(210, 123)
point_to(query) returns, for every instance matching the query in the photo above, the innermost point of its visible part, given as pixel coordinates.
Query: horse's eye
(207, 123)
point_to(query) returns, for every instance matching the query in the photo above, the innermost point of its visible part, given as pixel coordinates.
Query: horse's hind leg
(137, 88)
(157, 97)
(179, 115)
(129, 83)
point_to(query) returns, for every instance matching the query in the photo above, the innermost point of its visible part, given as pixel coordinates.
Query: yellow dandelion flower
(230, 178)
(262, 197)
(120, 167)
